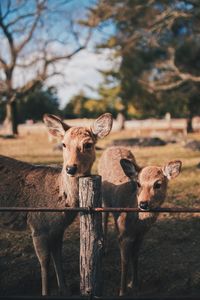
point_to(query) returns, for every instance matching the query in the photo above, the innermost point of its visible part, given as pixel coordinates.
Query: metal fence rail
(96, 298)
(101, 209)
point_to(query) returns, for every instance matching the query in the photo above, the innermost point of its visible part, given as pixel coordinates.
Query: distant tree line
(34, 105)
(43, 100)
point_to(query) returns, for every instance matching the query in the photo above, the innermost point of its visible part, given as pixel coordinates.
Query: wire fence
(91, 297)
(101, 209)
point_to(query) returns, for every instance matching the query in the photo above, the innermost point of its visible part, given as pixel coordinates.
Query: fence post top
(90, 177)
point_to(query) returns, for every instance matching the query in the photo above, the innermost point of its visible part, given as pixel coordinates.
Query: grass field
(169, 262)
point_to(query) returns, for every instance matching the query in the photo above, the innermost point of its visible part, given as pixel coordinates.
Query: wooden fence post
(91, 237)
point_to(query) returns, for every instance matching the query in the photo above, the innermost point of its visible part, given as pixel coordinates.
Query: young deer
(26, 185)
(125, 184)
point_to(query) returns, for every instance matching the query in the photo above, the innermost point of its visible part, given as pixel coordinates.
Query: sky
(81, 73)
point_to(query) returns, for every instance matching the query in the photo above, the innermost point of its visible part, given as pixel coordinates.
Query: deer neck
(146, 220)
(69, 189)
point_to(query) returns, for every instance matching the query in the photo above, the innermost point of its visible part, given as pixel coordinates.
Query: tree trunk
(10, 122)
(121, 121)
(122, 114)
(189, 125)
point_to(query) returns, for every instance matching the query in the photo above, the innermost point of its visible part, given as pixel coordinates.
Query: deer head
(78, 142)
(151, 181)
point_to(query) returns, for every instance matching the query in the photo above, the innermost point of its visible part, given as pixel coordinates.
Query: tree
(37, 103)
(75, 107)
(35, 35)
(158, 42)
(81, 106)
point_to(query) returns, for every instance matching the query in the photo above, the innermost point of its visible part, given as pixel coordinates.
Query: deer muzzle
(71, 170)
(144, 205)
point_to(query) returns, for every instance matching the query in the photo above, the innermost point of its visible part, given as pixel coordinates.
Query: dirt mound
(141, 142)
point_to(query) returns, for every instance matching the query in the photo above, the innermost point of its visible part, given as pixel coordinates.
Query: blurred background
(140, 61)
(81, 58)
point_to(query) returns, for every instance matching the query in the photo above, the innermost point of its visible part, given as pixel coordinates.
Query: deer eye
(88, 146)
(64, 145)
(157, 185)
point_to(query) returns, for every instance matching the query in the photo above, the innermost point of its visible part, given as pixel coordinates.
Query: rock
(142, 142)
(193, 145)
(7, 136)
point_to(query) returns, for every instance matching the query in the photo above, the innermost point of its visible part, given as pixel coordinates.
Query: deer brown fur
(26, 185)
(125, 184)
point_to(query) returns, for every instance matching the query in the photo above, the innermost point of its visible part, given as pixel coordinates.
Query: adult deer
(26, 185)
(125, 184)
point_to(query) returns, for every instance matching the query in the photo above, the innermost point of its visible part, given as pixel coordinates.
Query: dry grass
(169, 261)
(34, 148)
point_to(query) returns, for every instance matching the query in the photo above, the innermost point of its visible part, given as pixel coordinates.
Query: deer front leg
(125, 248)
(43, 253)
(105, 228)
(56, 252)
(134, 283)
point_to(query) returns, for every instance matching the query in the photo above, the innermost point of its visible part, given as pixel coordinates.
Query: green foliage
(38, 102)
(145, 36)
(76, 107)
(81, 106)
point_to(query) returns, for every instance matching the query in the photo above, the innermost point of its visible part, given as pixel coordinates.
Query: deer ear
(103, 125)
(129, 168)
(55, 126)
(172, 169)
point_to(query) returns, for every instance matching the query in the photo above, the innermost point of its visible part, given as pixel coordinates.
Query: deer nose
(144, 205)
(71, 170)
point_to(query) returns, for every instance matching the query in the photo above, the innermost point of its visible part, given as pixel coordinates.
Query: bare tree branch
(40, 7)
(19, 6)
(153, 87)
(173, 78)
(19, 18)
(8, 9)
(9, 37)
(167, 18)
